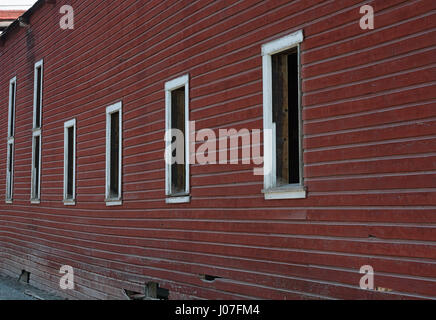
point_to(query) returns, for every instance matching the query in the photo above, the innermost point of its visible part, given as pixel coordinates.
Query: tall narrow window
(283, 165)
(36, 175)
(113, 154)
(38, 95)
(285, 94)
(36, 132)
(177, 140)
(11, 140)
(69, 162)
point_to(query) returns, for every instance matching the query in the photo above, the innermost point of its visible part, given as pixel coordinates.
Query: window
(177, 140)
(283, 165)
(11, 140)
(70, 162)
(113, 154)
(36, 168)
(36, 132)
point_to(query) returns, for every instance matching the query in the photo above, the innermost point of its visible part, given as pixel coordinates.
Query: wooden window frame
(39, 64)
(67, 125)
(36, 130)
(271, 190)
(36, 198)
(111, 201)
(182, 81)
(11, 139)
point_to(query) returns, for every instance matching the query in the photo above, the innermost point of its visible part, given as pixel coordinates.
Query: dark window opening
(208, 277)
(162, 293)
(70, 163)
(12, 116)
(285, 84)
(38, 97)
(10, 162)
(133, 295)
(114, 155)
(178, 170)
(36, 168)
(153, 291)
(24, 277)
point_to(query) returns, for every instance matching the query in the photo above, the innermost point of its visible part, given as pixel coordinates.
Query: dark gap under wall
(208, 278)
(24, 277)
(152, 292)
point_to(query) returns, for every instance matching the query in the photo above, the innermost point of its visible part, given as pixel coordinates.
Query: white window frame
(271, 191)
(36, 131)
(39, 64)
(11, 140)
(36, 200)
(67, 125)
(117, 107)
(182, 81)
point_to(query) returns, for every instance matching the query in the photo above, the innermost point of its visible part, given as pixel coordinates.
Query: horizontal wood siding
(369, 116)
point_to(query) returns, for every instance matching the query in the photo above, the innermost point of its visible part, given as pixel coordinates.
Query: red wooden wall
(369, 151)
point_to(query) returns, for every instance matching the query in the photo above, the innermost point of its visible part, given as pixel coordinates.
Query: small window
(36, 168)
(283, 165)
(36, 132)
(69, 162)
(10, 172)
(177, 140)
(37, 102)
(113, 154)
(11, 140)
(12, 97)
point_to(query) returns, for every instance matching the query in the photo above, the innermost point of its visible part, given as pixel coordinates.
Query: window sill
(286, 192)
(8, 201)
(69, 202)
(35, 201)
(111, 202)
(183, 199)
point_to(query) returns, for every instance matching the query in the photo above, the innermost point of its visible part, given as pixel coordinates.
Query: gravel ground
(12, 289)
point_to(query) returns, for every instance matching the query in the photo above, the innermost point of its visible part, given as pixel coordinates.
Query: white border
(292, 191)
(36, 200)
(282, 44)
(170, 86)
(67, 125)
(117, 107)
(10, 120)
(40, 63)
(9, 175)
(36, 131)
(184, 199)
(11, 140)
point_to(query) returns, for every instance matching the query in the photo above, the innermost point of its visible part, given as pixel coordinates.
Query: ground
(12, 289)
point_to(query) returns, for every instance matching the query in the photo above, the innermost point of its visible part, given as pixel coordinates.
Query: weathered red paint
(369, 151)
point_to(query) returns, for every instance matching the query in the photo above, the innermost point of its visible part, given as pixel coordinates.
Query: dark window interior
(162, 293)
(36, 168)
(153, 292)
(178, 173)
(10, 154)
(38, 97)
(114, 155)
(70, 162)
(286, 116)
(11, 132)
